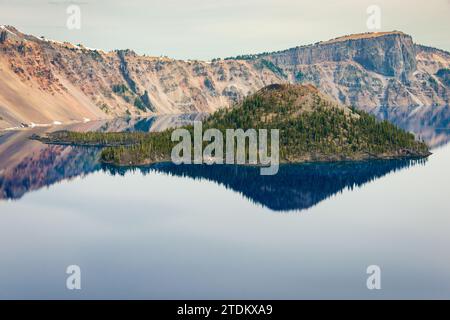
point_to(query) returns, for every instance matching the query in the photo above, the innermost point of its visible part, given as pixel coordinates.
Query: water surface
(192, 232)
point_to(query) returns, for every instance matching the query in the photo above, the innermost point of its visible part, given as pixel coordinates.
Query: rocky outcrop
(44, 81)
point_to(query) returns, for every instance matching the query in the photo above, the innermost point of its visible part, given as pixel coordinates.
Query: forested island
(312, 128)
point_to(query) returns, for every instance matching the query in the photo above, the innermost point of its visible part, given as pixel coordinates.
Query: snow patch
(34, 125)
(416, 110)
(5, 28)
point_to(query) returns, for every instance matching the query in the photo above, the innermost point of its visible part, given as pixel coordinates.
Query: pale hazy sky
(204, 29)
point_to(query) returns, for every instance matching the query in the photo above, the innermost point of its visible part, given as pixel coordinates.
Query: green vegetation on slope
(312, 124)
(142, 102)
(272, 67)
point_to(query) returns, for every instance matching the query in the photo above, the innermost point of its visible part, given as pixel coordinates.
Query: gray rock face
(370, 70)
(392, 55)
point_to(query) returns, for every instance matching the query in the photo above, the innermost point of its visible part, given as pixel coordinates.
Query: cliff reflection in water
(46, 167)
(295, 187)
(432, 124)
(27, 165)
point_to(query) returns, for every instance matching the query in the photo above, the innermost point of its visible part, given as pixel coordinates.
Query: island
(312, 128)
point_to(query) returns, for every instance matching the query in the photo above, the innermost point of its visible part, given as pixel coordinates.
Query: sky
(206, 29)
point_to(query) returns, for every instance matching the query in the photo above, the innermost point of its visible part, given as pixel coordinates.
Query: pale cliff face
(45, 81)
(389, 54)
(370, 70)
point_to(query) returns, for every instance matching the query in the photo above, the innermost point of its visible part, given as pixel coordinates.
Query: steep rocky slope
(44, 81)
(369, 70)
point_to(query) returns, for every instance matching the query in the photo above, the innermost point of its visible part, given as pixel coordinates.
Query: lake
(225, 232)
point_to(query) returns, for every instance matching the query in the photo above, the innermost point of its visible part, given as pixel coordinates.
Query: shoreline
(308, 161)
(306, 158)
(162, 157)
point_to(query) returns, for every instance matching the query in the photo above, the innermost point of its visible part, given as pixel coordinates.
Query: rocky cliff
(44, 81)
(369, 70)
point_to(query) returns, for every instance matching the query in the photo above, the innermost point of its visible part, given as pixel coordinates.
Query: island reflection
(295, 187)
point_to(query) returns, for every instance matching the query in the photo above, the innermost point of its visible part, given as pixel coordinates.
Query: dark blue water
(191, 232)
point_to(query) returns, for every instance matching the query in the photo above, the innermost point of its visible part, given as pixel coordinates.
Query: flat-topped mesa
(365, 35)
(391, 54)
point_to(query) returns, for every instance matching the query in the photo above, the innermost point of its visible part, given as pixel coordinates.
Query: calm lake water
(188, 232)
